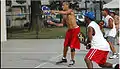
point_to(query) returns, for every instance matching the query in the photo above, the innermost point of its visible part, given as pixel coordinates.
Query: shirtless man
(71, 38)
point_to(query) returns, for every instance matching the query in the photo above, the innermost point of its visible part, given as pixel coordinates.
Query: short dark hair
(113, 13)
(67, 3)
(107, 10)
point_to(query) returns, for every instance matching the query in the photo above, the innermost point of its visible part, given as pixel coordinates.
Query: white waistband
(76, 26)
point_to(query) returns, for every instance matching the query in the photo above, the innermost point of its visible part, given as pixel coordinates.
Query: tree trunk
(35, 10)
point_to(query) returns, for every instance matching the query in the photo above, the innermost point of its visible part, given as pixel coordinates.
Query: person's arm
(90, 33)
(62, 12)
(110, 24)
(56, 24)
(117, 20)
(101, 24)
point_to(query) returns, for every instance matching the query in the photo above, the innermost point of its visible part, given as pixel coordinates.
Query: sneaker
(117, 66)
(72, 62)
(118, 55)
(64, 60)
(114, 56)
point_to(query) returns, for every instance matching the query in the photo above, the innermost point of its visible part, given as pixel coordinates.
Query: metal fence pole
(86, 11)
(37, 27)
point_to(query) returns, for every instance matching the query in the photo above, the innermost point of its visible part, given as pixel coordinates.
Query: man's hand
(53, 23)
(54, 11)
(88, 46)
(50, 22)
(101, 24)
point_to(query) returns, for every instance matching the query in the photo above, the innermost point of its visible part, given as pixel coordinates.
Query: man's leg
(106, 65)
(109, 65)
(117, 38)
(113, 51)
(64, 60)
(88, 63)
(112, 47)
(72, 53)
(65, 51)
(111, 42)
(72, 61)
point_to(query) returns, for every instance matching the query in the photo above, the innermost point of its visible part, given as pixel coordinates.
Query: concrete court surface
(40, 53)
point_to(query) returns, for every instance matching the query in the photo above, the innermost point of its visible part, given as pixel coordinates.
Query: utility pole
(27, 11)
(86, 1)
(100, 10)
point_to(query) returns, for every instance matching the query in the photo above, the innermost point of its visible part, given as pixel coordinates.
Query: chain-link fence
(22, 24)
(17, 29)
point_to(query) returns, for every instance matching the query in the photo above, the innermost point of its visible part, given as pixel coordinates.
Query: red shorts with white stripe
(71, 38)
(97, 56)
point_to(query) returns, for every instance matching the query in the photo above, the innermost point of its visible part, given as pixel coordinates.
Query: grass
(46, 33)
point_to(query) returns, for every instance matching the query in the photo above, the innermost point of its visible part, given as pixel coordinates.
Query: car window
(80, 16)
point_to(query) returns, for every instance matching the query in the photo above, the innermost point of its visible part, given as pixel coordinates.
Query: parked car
(80, 19)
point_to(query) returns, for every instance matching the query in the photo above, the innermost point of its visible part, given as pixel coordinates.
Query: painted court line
(38, 52)
(31, 52)
(48, 62)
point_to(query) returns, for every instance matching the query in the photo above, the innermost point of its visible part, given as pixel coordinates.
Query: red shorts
(71, 38)
(97, 56)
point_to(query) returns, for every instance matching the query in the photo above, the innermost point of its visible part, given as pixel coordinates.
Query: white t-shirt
(98, 41)
(108, 31)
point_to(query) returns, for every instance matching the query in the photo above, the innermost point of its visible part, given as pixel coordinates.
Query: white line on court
(37, 52)
(48, 62)
(31, 52)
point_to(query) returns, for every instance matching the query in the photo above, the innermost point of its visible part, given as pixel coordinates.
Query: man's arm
(110, 24)
(59, 25)
(90, 33)
(62, 12)
(117, 20)
(101, 24)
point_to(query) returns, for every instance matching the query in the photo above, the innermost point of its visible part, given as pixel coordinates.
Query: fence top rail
(18, 14)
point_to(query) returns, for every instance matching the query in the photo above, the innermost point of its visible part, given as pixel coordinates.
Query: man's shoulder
(93, 23)
(70, 10)
(116, 16)
(109, 18)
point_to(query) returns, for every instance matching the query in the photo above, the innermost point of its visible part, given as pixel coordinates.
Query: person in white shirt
(109, 30)
(99, 46)
(117, 24)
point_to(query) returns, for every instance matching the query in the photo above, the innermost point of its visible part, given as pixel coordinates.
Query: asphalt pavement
(41, 53)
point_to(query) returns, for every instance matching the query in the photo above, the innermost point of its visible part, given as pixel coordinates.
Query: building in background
(18, 12)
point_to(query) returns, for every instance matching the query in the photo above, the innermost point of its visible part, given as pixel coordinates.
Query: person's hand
(52, 11)
(88, 46)
(50, 22)
(101, 24)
